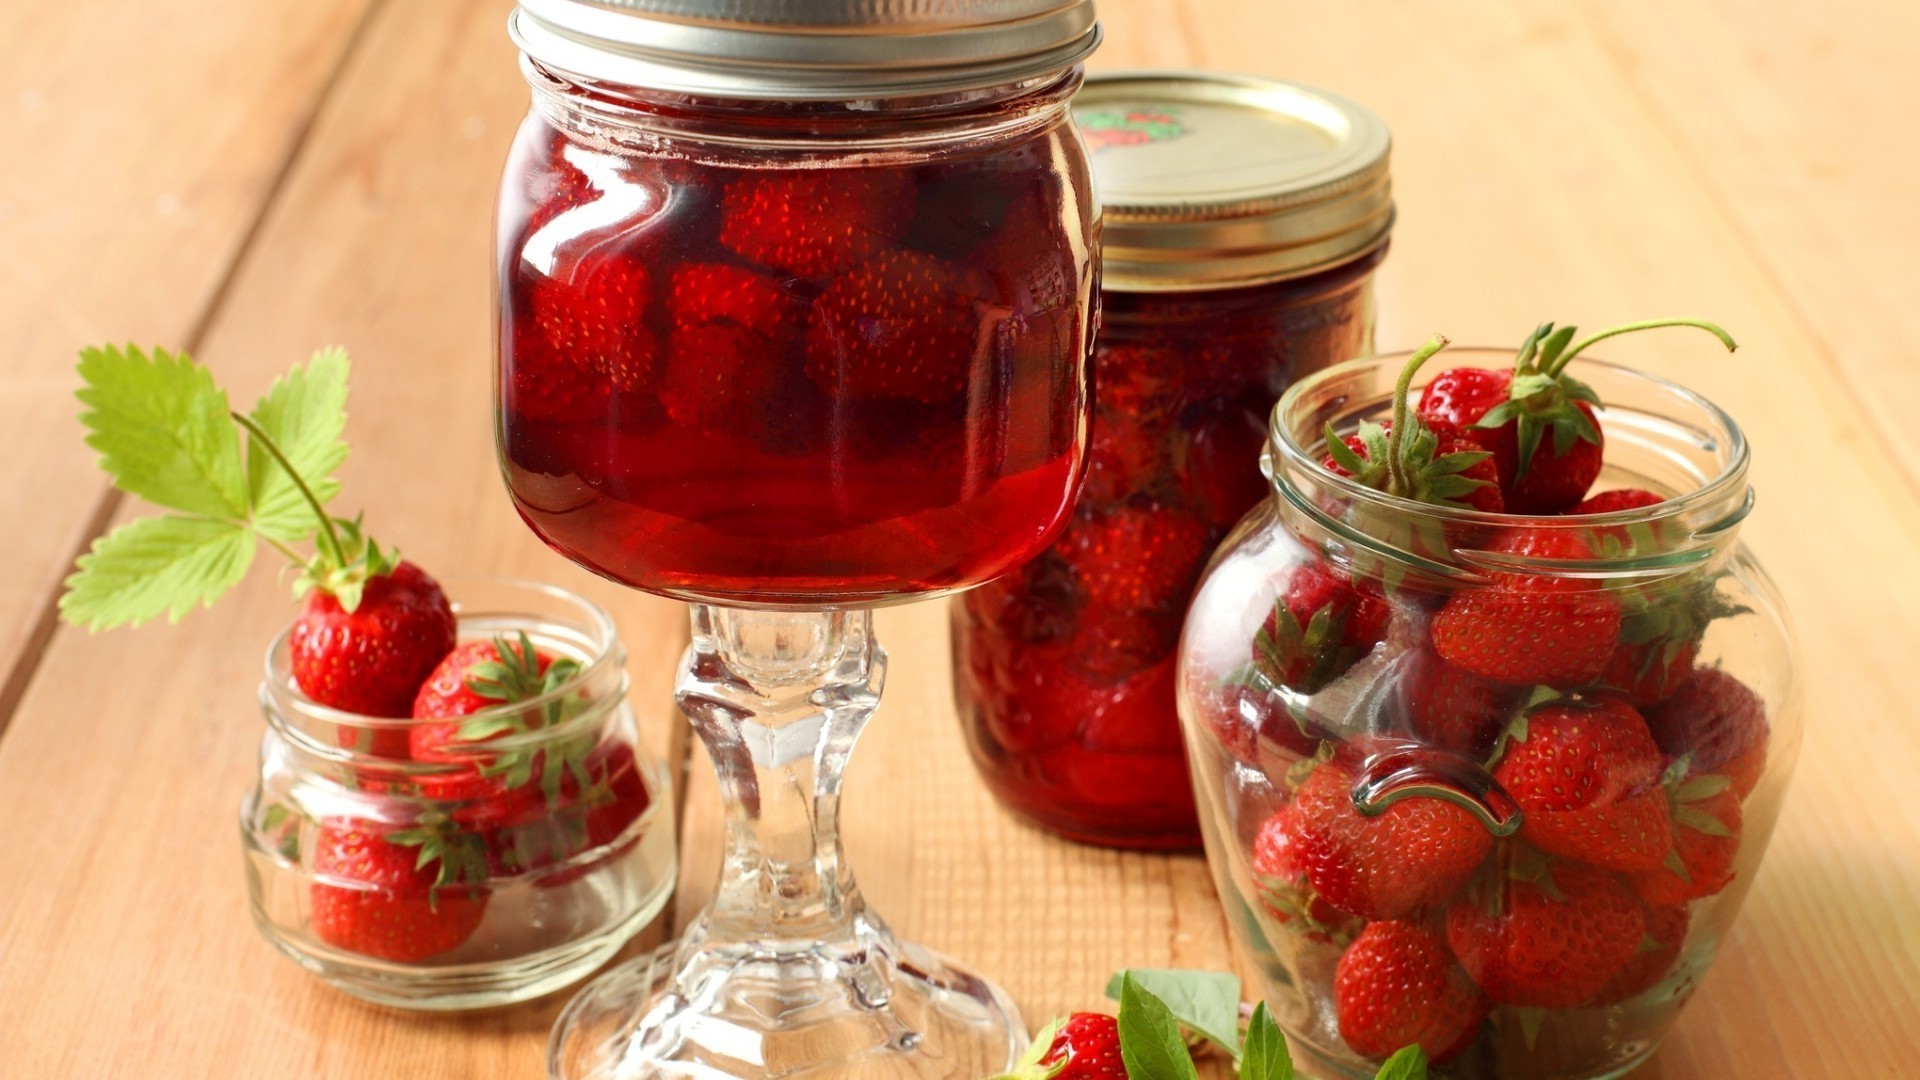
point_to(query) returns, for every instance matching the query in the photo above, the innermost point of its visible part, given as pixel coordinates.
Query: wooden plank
(1534, 182)
(123, 916)
(1795, 121)
(141, 143)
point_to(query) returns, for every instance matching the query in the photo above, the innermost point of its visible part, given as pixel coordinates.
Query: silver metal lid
(807, 49)
(1215, 181)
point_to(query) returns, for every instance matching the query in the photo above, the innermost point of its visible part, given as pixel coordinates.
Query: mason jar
(456, 882)
(1529, 764)
(1244, 221)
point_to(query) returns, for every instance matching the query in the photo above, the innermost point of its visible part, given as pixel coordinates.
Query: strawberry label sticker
(1102, 128)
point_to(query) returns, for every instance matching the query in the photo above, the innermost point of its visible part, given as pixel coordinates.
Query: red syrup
(735, 378)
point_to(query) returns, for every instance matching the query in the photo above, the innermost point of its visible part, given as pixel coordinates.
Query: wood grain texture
(1591, 162)
(127, 944)
(141, 143)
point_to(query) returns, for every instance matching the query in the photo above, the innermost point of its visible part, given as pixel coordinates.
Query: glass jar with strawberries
(495, 837)
(1487, 760)
(1244, 219)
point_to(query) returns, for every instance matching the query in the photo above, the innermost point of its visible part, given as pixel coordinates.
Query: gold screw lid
(1215, 181)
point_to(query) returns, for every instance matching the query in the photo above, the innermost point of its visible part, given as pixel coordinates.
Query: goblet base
(868, 1007)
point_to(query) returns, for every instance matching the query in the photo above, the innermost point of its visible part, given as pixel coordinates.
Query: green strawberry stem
(1545, 400)
(1400, 482)
(326, 537)
(1560, 364)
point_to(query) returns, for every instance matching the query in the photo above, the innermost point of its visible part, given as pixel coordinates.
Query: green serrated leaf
(1150, 1044)
(1407, 1063)
(153, 566)
(1206, 1001)
(304, 412)
(1266, 1056)
(163, 431)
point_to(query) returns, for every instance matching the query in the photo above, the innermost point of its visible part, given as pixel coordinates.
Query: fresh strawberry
(1551, 941)
(1086, 1047)
(1587, 776)
(1613, 502)
(1284, 890)
(593, 817)
(593, 317)
(371, 660)
(1450, 708)
(814, 222)
(730, 329)
(1719, 724)
(483, 676)
(1413, 855)
(1650, 672)
(1427, 464)
(1321, 626)
(1706, 838)
(1260, 726)
(396, 894)
(1397, 984)
(901, 324)
(1137, 557)
(1541, 400)
(1659, 948)
(1528, 629)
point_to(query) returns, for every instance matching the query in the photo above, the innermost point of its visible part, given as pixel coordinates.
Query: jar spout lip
(1660, 435)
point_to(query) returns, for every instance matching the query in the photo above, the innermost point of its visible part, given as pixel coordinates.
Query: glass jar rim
(1723, 499)
(278, 690)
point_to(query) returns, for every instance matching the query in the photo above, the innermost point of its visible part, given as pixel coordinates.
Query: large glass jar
(1406, 765)
(452, 883)
(1244, 221)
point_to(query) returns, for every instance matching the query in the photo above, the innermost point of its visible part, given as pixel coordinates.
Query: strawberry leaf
(304, 412)
(162, 430)
(1206, 1001)
(1150, 1044)
(1407, 1063)
(1266, 1056)
(155, 565)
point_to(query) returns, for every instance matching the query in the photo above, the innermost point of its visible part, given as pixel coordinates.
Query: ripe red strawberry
(1284, 890)
(1587, 777)
(1321, 626)
(726, 346)
(1447, 468)
(1260, 726)
(1719, 724)
(397, 894)
(1087, 1047)
(590, 819)
(1137, 557)
(901, 324)
(1412, 856)
(1659, 948)
(593, 317)
(814, 222)
(371, 660)
(1541, 400)
(1454, 709)
(1552, 942)
(1397, 984)
(1706, 838)
(1612, 502)
(1528, 629)
(482, 676)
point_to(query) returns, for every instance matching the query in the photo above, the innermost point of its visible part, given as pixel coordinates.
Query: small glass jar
(1244, 221)
(457, 884)
(1373, 732)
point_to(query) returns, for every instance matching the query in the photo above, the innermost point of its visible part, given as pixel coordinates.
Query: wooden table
(253, 178)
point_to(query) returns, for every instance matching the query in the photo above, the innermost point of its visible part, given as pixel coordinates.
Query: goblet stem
(786, 973)
(779, 698)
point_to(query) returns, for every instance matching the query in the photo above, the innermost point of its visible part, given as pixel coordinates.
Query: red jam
(1065, 668)
(749, 376)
